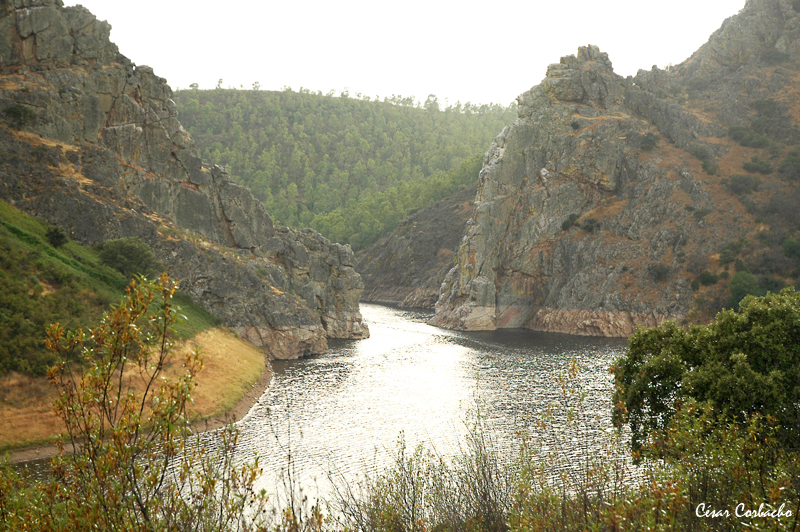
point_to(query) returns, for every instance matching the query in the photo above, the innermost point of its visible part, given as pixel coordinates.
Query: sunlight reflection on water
(343, 412)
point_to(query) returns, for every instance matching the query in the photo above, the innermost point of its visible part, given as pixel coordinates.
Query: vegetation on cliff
(316, 159)
(41, 283)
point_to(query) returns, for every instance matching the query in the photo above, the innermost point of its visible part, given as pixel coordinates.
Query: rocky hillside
(92, 143)
(612, 203)
(407, 267)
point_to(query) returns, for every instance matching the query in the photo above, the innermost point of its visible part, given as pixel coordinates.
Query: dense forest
(350, 167)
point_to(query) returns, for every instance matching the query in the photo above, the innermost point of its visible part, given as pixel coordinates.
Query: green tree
(743, 284)
(743, 363)
(130, 256)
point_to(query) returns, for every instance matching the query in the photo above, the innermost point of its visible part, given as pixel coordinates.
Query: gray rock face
(407, 267)
(575, 229)
(121, 164)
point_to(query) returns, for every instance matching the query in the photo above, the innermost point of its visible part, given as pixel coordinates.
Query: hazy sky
(481, 52)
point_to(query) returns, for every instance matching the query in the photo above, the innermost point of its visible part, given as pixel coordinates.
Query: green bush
(649, 142)
(742, 183)
(570, 221)
(774, 57)
(738, 364)
(130, 256)
(791, 248)
(19, 116)
(56, 236)
(756, 165)
(729, 252)
(741, 285)
(707, 278)
(699, 214)
(790, 166)
(659, 272)
(590, 224)
(745, 136)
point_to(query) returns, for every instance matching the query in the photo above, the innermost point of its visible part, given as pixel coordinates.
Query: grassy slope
(42, 285)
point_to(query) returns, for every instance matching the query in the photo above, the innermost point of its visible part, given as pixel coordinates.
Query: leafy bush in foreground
(744, 363)
(135, 465)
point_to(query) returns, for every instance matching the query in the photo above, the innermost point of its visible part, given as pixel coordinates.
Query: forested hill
(338, 163)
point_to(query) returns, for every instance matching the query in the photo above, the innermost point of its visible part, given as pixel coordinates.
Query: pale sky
(487, 52)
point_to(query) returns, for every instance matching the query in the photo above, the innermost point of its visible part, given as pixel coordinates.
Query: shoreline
(239, 411)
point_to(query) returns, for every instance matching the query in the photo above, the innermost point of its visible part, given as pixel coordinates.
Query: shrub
(707, 278)
(756, 165)
(56, 236)
(790, 166)
(19, 116)
(590, 224)
(570, 221)
(774, 57)
(745, 136)
(575, 125)
(696, 264)
(131, 256)
(710, 166)
(769, 283)
(706, 156)
(649, 142)
(742, 183)
(791, 248)
(784, 209)
(659, 272)
(743, 284)
(729, 252)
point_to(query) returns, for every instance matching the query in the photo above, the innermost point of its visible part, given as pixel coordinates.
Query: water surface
(344, 411)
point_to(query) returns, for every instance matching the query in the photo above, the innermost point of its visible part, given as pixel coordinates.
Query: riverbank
(234, 376)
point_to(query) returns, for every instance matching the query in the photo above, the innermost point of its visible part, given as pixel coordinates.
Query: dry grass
(69, 171)
(609, 209)
(232, 366)
(35, 139)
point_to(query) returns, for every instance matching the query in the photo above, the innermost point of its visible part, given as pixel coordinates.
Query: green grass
(197, 318)
(41, 285)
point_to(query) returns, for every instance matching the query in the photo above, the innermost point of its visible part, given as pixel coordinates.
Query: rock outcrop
(106, 157)
(578, 230)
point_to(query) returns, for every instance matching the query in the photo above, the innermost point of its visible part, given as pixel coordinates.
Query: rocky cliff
(97, 148)
(597, 208)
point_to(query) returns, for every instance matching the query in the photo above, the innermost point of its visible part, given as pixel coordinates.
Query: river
(342, 413)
